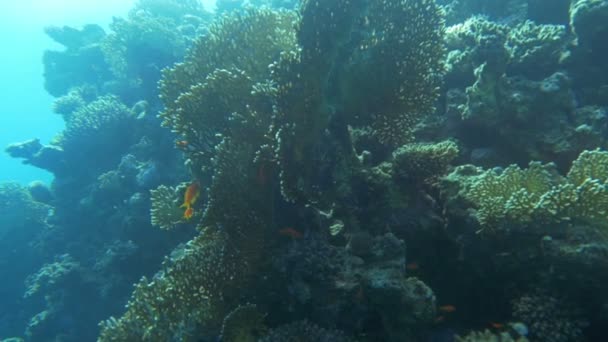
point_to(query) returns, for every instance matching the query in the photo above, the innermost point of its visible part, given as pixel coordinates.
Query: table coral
(539, 195)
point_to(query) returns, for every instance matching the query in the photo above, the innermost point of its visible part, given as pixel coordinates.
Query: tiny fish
(190, 197)
(447, 308)
(497, 325)
(292, 233)
(412, 266)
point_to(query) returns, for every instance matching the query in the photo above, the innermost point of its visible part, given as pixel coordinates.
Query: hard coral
(218, 87)
(358, 63)
(423, 161)
(539, 195)
(178, 299)
(304, 331)
(549, 319)
(81, 63)
(488, 336)
(536, 49)
(96, 129)
(165, 212)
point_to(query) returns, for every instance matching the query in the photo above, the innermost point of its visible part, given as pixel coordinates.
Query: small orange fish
(412, 266)
(190, 197)
(181, 143)
(292, 233)
(447, 308)
(497, 325)
(188, 213)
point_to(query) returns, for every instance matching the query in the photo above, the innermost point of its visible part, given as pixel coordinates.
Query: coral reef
(309, 148)
(50, 275)
(18, 208)
(539, 194)
(155, 35)
(95, 128)
(488, 336)
(176, 299)
(81, 63)
(243, 324)
(422, 161)
(219, 82)
(304, 331)
(535, 49)
(548, 318)
(165, 212)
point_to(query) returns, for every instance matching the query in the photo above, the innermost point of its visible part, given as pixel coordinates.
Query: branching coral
(423, 161)
(155, 35)
(531, 46)
(175, 9)
(181, 296)
(239, 117)
(50, 275)
(221, 85)
(96, 128)
(303, 331)
(539, 194)
(475, 41)
(207, 280)
(18, 209)
(361, 63)
(549, 319)
(488, 336)
(243, 324)
(248, 41)
(387, 61)
(165, 212)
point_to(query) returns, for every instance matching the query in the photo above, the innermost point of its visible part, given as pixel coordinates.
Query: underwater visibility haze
(304, 170)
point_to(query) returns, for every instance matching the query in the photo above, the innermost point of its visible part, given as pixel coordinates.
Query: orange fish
(447, 308)
(292, 233)
(190, 197)
(497, 325)
(412, 266)
(188, 213)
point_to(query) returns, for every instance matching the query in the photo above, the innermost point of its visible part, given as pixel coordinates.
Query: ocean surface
(304, 170)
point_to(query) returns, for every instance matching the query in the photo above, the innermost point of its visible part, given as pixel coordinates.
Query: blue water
(26, 107)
